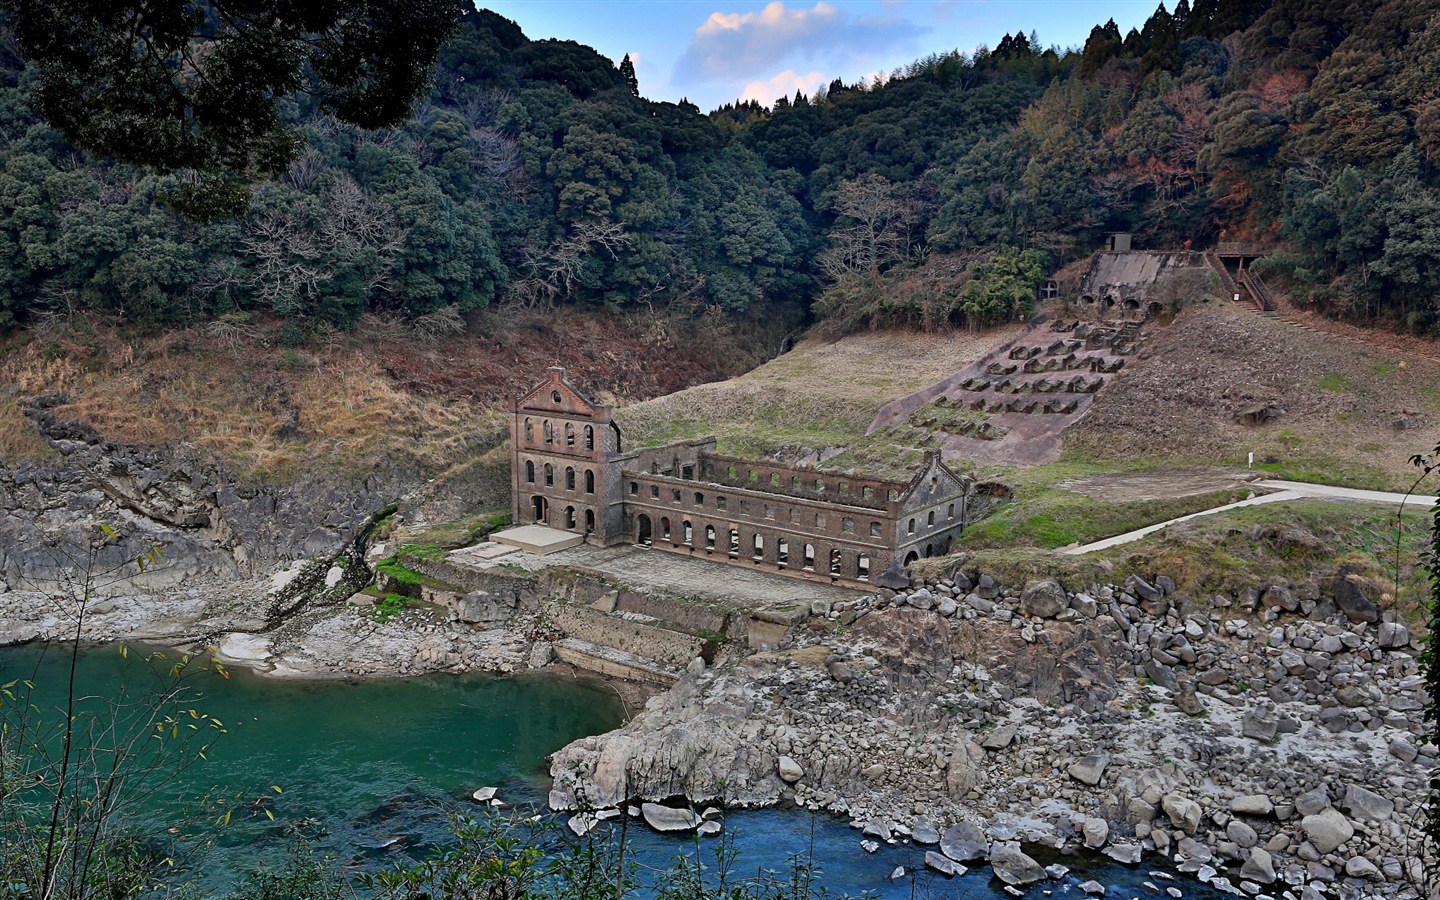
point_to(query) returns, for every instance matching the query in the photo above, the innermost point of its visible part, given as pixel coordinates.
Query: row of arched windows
(930, 519)
(549, 436)
(664, 530)
(548, 473)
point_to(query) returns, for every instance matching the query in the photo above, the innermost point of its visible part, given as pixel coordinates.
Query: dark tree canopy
(198, 85)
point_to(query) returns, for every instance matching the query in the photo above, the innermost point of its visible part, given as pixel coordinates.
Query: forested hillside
(536, 175)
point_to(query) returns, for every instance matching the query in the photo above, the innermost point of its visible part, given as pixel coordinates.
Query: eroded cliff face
(206, 523)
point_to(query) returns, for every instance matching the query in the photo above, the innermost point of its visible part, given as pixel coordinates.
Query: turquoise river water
(378, 765)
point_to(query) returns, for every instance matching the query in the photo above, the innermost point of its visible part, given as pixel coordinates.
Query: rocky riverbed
(1271, 744)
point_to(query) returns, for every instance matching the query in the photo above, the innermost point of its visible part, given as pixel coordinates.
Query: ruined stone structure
(570, 471)
(1135, 285)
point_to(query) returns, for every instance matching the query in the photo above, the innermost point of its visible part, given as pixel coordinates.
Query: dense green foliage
(196, 85)
(536, 175)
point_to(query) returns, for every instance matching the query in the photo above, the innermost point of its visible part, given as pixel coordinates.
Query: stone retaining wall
(671, 648)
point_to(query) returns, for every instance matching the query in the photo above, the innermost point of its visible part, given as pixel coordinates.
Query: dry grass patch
(815, 402)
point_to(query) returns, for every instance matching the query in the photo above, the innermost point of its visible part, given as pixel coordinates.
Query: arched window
(734, 542)
(549, 475)
(709, 537)
(665, 528)
(554, 396)
(911, 528)
(529, 432)
(950, 512)
(589, 482)
(932, 518)
(819, 485)
(757, 550)
(570, 517)
(835, 561)
(549, 431)
(863, 567)
(874, 529)
(569, 435)
(589, 437)
(782, 551)
(634, 488)
(699, 499)
(809, 560)
(847, 524)
(530, 471)
(687, 533)
(868, 493)
(569, 478)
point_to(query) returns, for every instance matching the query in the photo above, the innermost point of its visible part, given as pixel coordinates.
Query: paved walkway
(1284, 491)
(642, 567)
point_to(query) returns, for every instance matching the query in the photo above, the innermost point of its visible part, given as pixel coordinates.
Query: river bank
(1270, 742)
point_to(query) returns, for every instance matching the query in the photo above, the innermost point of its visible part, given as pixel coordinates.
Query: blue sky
(715, 51)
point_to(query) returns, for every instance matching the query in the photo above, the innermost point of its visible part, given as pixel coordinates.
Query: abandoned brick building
(570, 471)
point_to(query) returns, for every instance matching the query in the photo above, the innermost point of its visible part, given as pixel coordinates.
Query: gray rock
(1090, 769)
(667, 818)
(947, 607)
(924, 833)
(1096, 832)
(1142, 589)
(789, 770)
(999, 738)
(1350, 599)
(484, 794)
(1327, 829)
(1194, 850)
(1252, 805)
(1260, 725)
(1360, 867)
(1043, 599)
(1403, 750)
(1129, 854)
(1085, 605)
(1279, 597)
(1183, 812)
(582, 824)
(1243, 835)
(1012, 866)
(1162, 675)
(964, 842)
(542, 653)
(1187, 701)
(921, 599)
(894, 577)
(1363, 803)
(877, 828)
(1312, 802)
(897, 873)
(1393, 635)
(943, 864)
(1259, 867)
(1093, 888)
(710, 827)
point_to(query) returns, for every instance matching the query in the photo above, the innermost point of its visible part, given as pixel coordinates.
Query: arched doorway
(540, 507)
(589, 521)
(570, 517)
(911, 557)
(642, 530)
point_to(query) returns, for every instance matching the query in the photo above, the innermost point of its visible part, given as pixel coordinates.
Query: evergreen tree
(627, 72)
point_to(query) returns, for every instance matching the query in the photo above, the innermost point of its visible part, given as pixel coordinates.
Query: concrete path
(643, 567)
(1284, 491)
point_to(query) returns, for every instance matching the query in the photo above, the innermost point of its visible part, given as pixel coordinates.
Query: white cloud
(784, 84)
(731, 46)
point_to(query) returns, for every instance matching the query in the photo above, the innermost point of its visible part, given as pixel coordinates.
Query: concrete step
(613, 663)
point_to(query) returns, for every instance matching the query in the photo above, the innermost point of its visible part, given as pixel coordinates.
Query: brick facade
(570, 472)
